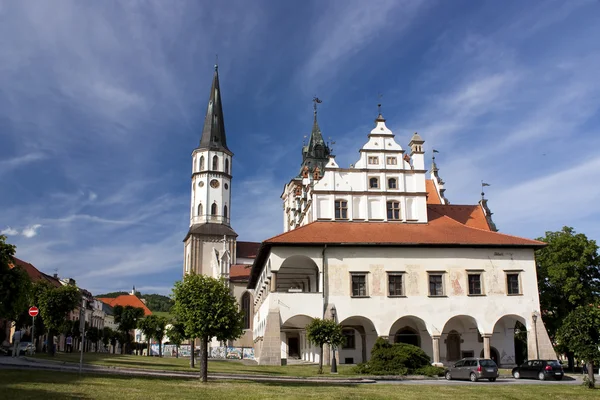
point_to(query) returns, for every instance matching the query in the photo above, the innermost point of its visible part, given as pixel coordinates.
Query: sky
(102, 103)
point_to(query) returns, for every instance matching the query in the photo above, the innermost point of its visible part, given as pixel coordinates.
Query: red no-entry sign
(33, 311)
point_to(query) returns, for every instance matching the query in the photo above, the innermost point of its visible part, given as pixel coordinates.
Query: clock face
(214, 183)
(201, 183)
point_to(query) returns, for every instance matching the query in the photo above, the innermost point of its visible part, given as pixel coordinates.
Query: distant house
(126, 300)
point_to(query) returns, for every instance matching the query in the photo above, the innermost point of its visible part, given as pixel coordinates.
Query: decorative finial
(483, 184)
(316, 101)
(216, 62)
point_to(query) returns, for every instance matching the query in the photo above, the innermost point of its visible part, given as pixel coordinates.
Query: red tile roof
(247, 249)
(471, 216)
(432, 194)
(35, 274)
(126, 300)
(240, 272)
(441, 230)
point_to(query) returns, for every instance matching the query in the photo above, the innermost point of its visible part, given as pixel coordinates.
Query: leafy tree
(176, 334)
(93, 335)
(127, 317)
(55, 304)
(206, 308)
(107, 335)
(324, 331)
(147, 327)
(568, 270)
(580, 331)
(160, 326)
(14, 284)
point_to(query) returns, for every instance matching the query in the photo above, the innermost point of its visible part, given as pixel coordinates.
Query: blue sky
(101, 104)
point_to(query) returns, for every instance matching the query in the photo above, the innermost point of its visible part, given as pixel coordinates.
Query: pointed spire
(316, 152)
(213, 132)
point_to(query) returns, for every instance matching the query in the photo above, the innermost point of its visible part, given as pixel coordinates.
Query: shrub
(394, 359)
(430, 370)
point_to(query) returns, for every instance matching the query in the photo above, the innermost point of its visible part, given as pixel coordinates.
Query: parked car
(473, 369)
(540, 369)
(26, 348)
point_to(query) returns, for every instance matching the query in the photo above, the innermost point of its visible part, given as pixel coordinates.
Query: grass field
(49, 385)
(183, 364)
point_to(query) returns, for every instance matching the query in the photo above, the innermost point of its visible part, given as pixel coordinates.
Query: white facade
(452, 300)
(382, 181)
(211, 187)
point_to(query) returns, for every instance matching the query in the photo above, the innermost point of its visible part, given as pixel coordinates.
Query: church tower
(210, 242)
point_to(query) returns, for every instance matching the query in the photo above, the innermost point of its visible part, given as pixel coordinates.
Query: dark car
(540, 369)
(473, 369)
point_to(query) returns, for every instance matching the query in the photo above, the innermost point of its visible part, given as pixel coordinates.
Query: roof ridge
(293, 230)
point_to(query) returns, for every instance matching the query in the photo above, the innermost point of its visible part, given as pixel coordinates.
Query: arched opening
(225, 211)
(214, 209)
(298, 274)
(215, 163)
(409, 336)
(295, 343)
(227, 165)
(510, 337)
(460, 338)
(494, 355)
(360, 335)
(201, 163)
(200, 210)
(247, 309)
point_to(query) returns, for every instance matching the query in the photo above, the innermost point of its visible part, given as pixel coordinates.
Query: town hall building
(376, 246)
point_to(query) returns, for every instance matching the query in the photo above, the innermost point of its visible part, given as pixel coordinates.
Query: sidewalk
(28, 363)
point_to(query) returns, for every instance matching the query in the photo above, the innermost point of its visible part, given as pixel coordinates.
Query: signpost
(33, 312)
(82, 331)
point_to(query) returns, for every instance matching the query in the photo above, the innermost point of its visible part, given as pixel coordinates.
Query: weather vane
(216, 61)
(379, 96)
(483, 184)
(316, 101)
(433, 154)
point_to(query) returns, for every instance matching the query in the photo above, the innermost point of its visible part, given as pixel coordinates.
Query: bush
(430, 370)
(394, 359)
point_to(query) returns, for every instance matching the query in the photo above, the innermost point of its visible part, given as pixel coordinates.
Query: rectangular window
(373, 160)
(373, 183)
(512, 284)
(393, 210)
(392, 183)
(341, 209)
(474, 283)
(395, 287)
(359, 285)
(436, 285)
(391, 161)
(349, 339)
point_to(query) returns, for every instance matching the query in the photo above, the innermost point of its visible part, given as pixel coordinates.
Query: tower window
(200, 210)
(392, 183)
(373, 160)
(201, 163)
(215, 165)
(227, 165)
(225, 211)
(341, 209)
(373, 183)
(214, 209)
(393, 210)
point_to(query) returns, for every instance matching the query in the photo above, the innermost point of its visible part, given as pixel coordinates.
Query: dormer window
(341, 209)
(393, 210)
(374, 183)
(392, 183)
(372, 160)
(391, 161)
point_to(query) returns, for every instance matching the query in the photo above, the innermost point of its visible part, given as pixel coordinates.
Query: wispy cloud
(17, 162)
(31, 230)
(9, 231)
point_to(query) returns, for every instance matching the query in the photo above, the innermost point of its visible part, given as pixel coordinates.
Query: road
(500, 381)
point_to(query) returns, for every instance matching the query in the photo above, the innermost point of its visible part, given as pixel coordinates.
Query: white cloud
(20, 161)
(31, 230)
(9, 231)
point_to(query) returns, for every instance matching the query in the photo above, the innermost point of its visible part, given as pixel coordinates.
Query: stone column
(486, 345)
(436, 349)
(273, 281)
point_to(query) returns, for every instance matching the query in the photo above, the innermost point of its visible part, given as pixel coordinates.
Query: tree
(55, 304)
(324, 331)
(580, 332)
(15, 284)
(147, 327)
(176, 334)
(107, 335)
(160, 325)
(127, 318)
(93, 335)
(568, 272)
(206, 308)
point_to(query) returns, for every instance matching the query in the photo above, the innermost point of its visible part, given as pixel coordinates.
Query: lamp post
(333, 361)
(535, 317)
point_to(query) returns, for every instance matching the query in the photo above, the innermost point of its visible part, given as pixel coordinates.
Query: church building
(375, 246)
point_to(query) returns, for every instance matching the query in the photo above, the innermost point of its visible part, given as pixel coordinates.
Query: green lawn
(183, 364)
(49, 385)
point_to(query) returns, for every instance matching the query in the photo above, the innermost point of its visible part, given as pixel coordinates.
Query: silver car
(473, 369)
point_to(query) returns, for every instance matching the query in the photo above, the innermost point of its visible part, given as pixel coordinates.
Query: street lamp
(333, 362)
(535, 317)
